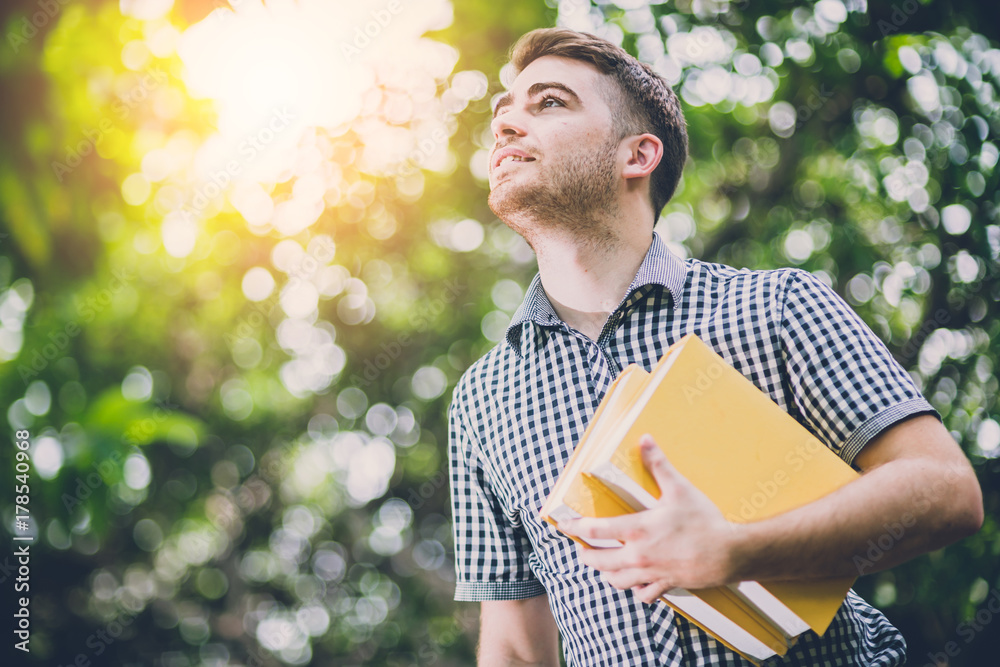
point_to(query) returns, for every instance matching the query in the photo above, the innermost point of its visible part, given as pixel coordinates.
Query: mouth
(509, 155)
(515, 158)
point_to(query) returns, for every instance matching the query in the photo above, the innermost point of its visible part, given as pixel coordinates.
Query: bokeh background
(245, 254)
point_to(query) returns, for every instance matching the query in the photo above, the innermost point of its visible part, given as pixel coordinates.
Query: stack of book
(729, 439)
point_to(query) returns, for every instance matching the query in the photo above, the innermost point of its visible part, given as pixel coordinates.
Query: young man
(589, 147)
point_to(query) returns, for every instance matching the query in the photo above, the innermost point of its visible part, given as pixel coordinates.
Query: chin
(507, 201)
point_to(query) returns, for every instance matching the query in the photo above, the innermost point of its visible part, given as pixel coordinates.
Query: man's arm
(518, 633)
(917, 493)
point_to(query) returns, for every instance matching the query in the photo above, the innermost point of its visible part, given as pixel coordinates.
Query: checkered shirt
(518, 412)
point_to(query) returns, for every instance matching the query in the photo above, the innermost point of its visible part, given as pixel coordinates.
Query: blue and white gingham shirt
(518, 412)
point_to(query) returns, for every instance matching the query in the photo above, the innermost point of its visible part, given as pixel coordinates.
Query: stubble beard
(579, 200)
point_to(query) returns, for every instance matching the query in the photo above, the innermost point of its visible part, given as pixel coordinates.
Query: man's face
(556, 149)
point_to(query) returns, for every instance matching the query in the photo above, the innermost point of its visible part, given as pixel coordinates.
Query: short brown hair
(643, 102)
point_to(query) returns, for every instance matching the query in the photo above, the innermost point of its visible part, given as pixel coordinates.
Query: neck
(586, 278)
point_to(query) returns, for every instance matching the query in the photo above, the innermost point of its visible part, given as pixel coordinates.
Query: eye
(544, 102)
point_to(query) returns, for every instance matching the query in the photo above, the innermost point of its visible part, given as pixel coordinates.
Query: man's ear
(644, 153)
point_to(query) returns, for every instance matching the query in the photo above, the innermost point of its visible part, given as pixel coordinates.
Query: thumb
(656, 462)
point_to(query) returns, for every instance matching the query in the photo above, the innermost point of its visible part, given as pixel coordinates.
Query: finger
(627, 579)
(608, 558)
(621, 559)
(651, 592)
(602, 529)
(657, 463)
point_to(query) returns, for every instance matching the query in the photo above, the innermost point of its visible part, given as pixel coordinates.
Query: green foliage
(227, 474)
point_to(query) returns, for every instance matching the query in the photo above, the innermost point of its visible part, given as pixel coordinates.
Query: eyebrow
(533, 90)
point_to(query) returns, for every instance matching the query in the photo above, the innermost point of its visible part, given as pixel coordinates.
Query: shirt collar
(659, 267)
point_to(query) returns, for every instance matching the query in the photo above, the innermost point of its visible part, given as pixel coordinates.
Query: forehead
(566, 69)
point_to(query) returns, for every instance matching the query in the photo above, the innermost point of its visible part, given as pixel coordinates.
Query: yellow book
(573, 497)
(721, 612)
(751, 458)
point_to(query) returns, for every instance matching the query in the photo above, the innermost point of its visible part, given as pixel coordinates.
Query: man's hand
(684, 541)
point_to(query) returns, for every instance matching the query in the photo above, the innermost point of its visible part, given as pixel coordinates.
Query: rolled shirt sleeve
(844, 382)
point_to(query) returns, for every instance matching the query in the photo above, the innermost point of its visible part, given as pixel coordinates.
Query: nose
(509, 122)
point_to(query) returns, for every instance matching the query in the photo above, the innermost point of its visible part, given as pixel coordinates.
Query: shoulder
(808, 295)
(720, 281)
(698, 270)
